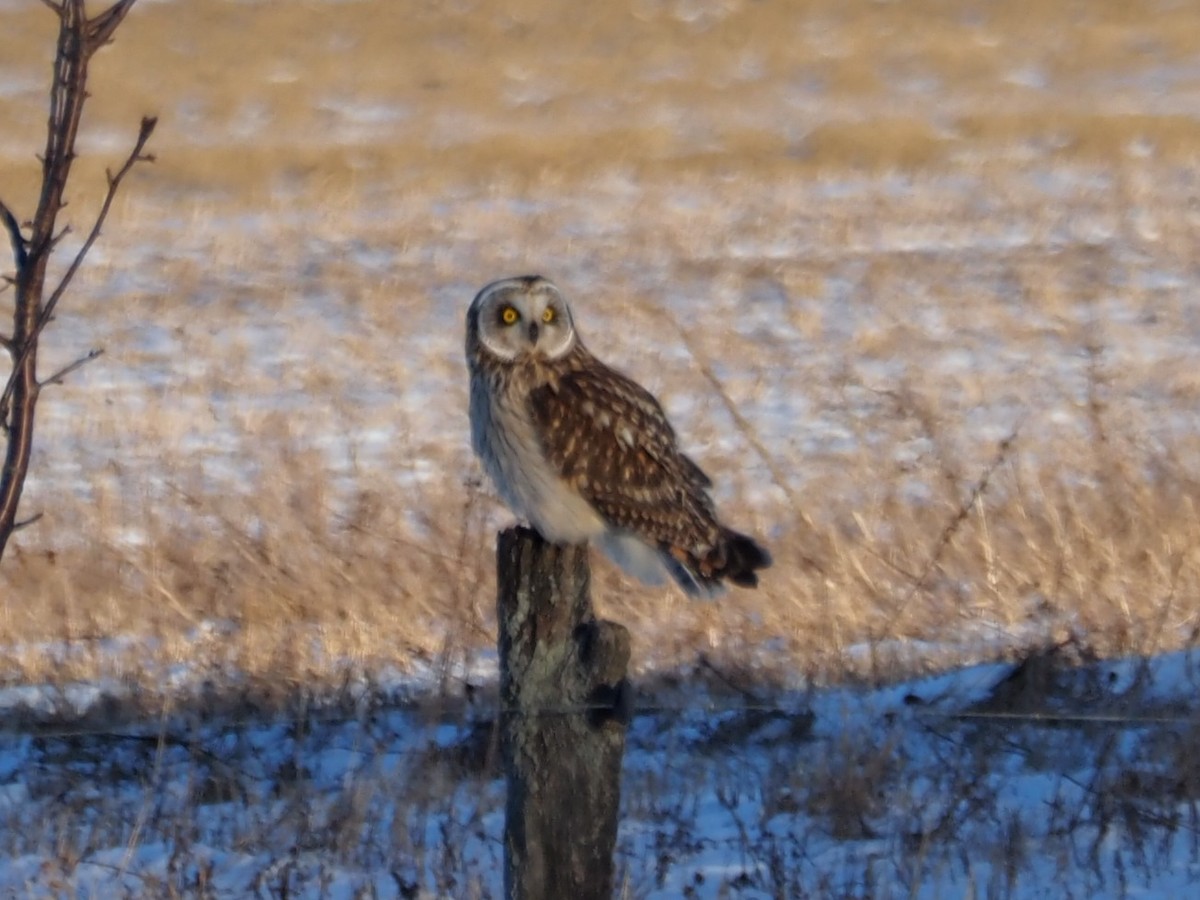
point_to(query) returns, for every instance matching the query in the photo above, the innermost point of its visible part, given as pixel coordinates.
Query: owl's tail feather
(735, 557)
(742, 557)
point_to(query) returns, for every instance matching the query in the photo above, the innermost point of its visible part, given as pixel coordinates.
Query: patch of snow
(907, 789)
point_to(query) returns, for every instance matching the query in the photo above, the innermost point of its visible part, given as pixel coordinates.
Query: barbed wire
(482, 715)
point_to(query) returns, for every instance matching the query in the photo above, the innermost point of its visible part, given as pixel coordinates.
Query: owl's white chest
(505, 439)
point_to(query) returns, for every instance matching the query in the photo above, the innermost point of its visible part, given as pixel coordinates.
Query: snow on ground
(1057, 777)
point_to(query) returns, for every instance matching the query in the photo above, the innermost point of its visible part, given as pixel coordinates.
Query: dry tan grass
(812, 200)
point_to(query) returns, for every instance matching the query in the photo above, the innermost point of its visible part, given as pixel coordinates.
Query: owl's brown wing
(610, 439)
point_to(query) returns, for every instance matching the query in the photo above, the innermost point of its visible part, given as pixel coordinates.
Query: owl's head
(524, 316)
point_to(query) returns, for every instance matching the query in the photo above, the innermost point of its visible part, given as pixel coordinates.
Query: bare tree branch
(57, 377)
(25, 523)
(114, 183)
(78, 39)
(101, 27)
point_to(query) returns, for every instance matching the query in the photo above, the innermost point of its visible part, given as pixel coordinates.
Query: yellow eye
(548, 315)
(509, 315)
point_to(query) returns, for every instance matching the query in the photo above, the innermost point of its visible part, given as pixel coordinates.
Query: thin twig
(57, 377)
(750, 434)
(742, 423)
(102, 26)
(114, 182)
(25, 523)
(960, 515)
(66, 229)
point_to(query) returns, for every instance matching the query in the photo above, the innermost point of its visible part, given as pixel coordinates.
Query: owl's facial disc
(551, 331)
(524, 317)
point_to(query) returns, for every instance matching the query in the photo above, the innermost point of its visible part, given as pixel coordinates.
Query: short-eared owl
(583, 453)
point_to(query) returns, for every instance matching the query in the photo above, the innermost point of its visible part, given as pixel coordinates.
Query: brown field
(920, 275)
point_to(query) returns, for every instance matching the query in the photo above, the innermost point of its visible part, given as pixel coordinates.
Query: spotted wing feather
(610, 439)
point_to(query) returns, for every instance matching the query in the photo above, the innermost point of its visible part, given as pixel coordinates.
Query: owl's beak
(533, 332)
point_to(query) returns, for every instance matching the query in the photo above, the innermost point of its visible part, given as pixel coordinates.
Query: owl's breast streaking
(507, 442)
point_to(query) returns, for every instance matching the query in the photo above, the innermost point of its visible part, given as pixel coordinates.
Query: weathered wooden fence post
(565, 707)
